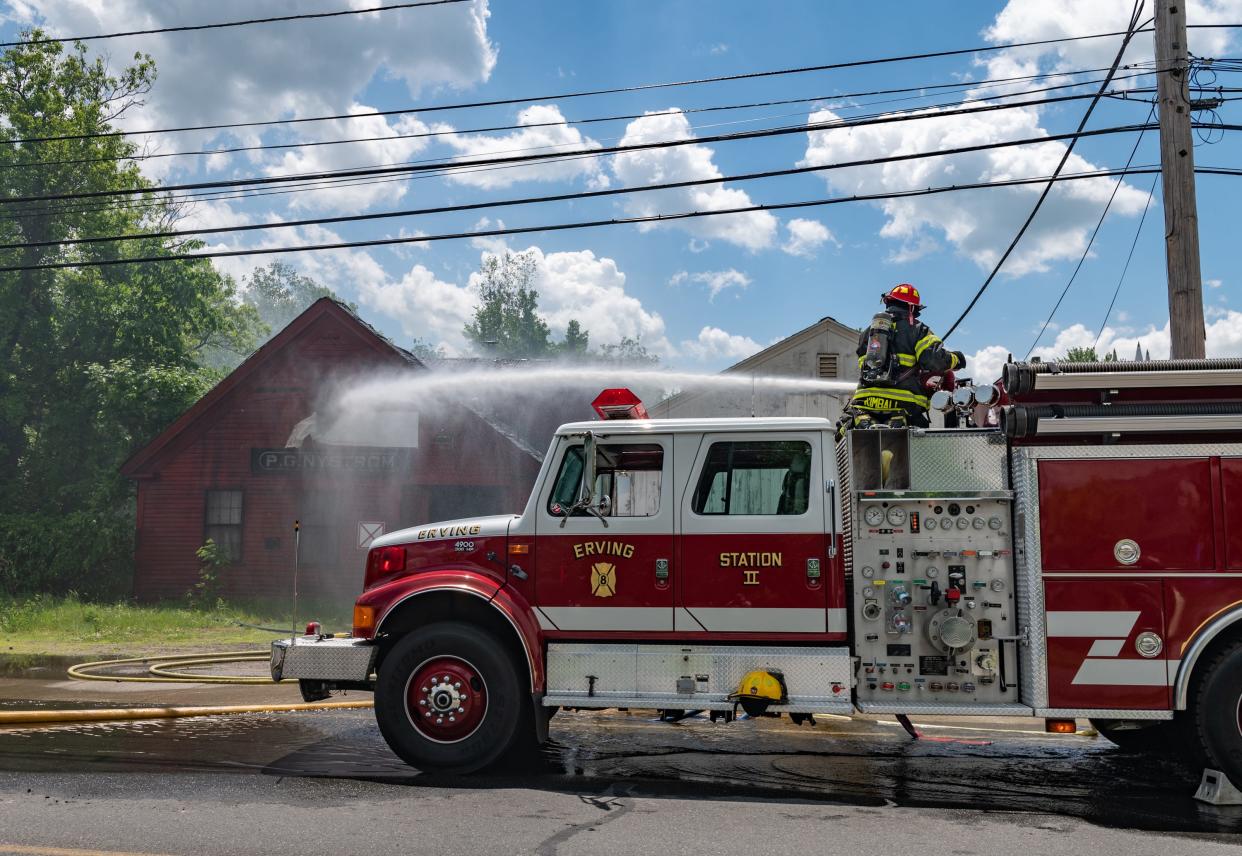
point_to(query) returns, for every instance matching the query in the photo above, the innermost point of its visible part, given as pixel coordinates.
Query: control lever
(933, 596)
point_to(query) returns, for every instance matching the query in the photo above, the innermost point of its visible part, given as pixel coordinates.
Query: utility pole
(1177, 168)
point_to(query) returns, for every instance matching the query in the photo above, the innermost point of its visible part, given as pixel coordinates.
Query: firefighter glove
(959, 360)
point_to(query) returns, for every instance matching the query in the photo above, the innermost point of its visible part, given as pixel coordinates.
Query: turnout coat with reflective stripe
(918, 350)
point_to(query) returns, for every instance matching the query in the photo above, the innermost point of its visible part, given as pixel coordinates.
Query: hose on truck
(1022, 420)
(1021, 378)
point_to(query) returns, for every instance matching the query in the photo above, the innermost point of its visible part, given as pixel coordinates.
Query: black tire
(1149, 737)
(1215, 723)
(487, 685)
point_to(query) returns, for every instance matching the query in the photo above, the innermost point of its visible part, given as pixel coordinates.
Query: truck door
(753, 547)
(607, 567)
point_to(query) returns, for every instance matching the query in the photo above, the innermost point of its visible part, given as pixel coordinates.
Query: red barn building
(254, 455)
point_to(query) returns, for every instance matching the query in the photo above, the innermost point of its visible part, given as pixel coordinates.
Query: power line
(1082, 124)
(561, 197)
(587, 224)
(1091, 242)
(441, 168)
(643, 87)
(222, 25)
(959, 86)
(1130, 255)
(900, 116)
(558, 227)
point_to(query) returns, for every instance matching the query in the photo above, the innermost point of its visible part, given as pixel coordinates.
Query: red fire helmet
(904, 293)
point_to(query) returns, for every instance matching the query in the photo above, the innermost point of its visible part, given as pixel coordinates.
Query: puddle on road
(855, 762)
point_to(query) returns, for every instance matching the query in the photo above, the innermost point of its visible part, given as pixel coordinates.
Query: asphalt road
(324, 782)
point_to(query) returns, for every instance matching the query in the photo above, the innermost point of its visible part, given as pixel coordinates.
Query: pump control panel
(933, 586)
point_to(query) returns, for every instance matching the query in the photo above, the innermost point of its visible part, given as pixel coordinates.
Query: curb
(32, 717)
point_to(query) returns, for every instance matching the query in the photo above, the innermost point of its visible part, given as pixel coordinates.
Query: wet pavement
(993, 765)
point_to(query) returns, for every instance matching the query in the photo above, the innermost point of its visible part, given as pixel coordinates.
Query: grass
(43, 624)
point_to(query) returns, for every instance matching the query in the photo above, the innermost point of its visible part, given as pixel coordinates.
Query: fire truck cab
(1072, 560)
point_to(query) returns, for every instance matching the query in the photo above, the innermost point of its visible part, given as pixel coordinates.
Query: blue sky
(706, 293)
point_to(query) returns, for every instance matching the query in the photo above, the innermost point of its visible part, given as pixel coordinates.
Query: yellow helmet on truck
(759, 689)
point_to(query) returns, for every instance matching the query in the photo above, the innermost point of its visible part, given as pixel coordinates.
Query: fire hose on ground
(169, 668)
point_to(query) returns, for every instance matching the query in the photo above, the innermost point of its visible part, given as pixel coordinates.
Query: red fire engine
(1080, 557)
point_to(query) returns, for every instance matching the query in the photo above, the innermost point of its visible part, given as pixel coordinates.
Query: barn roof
(142, 461)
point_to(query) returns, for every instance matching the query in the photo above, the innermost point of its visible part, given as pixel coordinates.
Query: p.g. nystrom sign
(337, 460)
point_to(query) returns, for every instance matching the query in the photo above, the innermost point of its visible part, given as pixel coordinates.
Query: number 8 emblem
(603, 579)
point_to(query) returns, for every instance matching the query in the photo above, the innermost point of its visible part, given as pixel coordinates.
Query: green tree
(1087, 355)
(424, 350)
(279, 294)
(628, 352)
(576, 342)
(94, 361)
(506, 321)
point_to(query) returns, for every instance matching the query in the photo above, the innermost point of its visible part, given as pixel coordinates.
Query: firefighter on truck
(895, 352)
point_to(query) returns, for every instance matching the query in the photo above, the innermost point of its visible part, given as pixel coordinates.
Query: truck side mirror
(586, 492)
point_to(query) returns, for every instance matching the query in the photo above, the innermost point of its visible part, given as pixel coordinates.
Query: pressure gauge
(867, 571)
(977, 523)
(998, 585)
(874, 515)
(946, 523)
(929, 523)
(931, 572)
(897, 516)
(963, 522)
(869, 592)
(994, 523)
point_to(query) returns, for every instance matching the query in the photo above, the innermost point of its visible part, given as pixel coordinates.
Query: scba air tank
(878, 361)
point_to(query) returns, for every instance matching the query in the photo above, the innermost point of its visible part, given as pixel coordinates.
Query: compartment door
(1092, 659)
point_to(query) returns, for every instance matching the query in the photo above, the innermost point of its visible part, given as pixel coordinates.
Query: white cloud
(493, 244)
(424, 305)
(549, 133)
(574, 285)
(715, 280)
(754, 230)
(1224, 339)
(1213, 283)
(986, 364)
(384, 147)
(713, 343)
(978, 223)
(1037, 20)
(298, 69)
(578, 285)
(806, 237)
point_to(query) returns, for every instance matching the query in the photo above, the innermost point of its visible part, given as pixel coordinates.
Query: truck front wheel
(1216, 711)
(448, 698)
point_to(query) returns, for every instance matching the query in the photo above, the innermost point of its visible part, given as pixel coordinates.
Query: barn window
(223, 521)
(828, 366)
(764, 477)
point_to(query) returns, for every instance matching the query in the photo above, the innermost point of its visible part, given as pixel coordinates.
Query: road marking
(66, 851)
